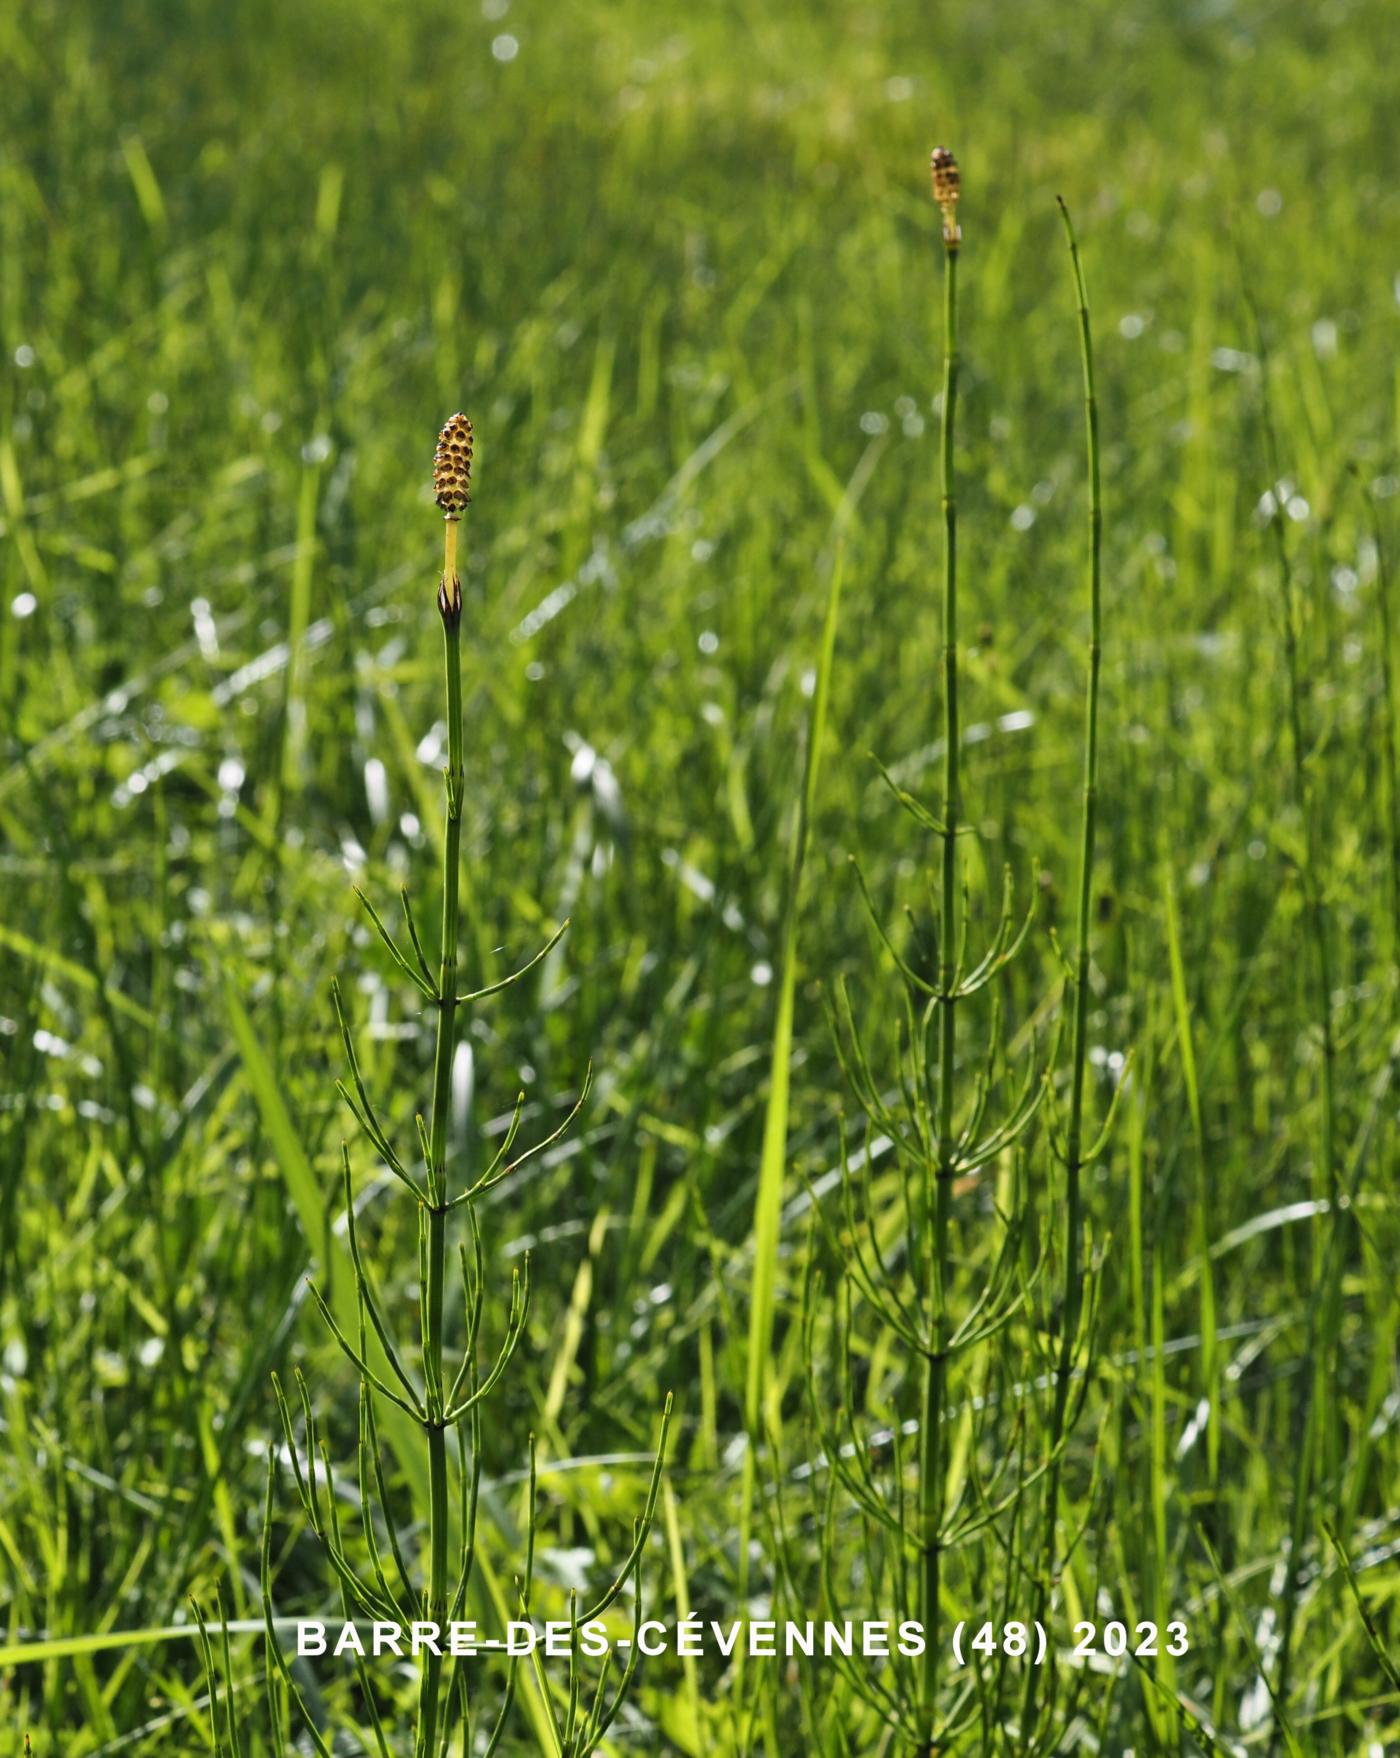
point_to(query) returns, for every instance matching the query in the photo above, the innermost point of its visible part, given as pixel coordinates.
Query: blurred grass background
(680, 266)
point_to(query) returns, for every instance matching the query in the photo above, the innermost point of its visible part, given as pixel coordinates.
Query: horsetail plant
(940, 1145)
(928, 1472)
(425, 1410)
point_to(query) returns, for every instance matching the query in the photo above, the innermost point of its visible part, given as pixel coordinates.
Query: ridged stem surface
(931, 1467)
(434, 1270)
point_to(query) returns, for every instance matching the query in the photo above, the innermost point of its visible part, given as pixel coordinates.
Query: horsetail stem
(451, 480)
(946, 190)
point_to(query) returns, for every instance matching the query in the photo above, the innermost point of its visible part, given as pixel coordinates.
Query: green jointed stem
(1079, 1052)
(439, 1500)
(931, 1471)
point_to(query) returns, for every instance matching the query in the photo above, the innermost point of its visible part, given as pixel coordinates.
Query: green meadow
(682, 268)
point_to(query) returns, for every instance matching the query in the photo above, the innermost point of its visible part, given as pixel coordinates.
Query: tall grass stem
(1073, 1285)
